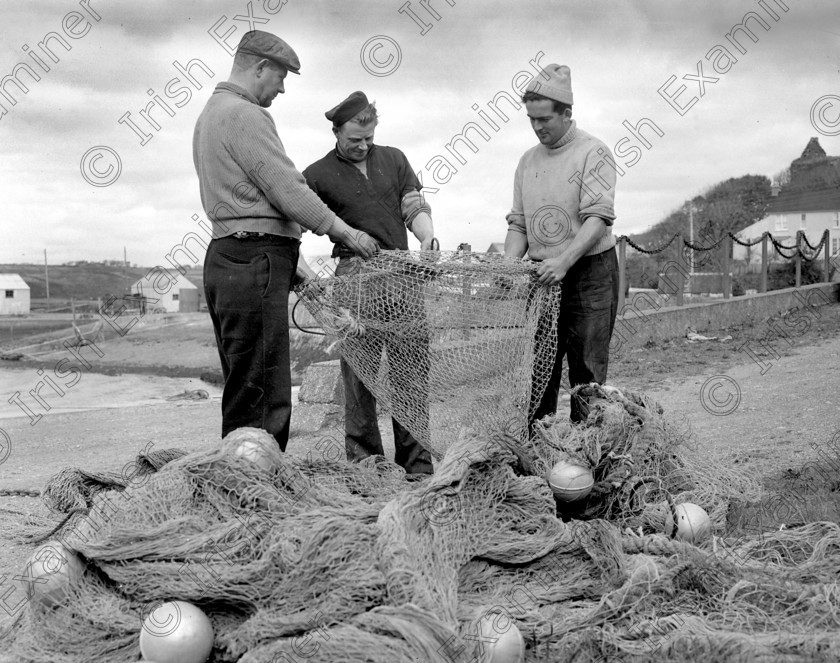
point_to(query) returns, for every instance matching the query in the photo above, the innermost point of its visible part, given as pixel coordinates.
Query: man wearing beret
(374, 189)
(257, 202)
(562, 217)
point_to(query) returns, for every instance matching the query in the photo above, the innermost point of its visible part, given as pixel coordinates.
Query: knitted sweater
(556, 188)
(246, 180)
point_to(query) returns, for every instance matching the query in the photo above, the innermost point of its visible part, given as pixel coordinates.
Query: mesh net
(459, 334)
(305, 559)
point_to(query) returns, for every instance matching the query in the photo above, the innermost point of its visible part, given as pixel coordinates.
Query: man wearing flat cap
(562, 217)
(374, 189)
(257, 202)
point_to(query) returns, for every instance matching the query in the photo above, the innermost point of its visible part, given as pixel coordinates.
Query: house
(497, 247)
(810, 203)
(182, 296)
(15, 299)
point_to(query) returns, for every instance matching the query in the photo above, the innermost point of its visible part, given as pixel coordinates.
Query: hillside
(728, 206)
(92, 280)
(80, 281)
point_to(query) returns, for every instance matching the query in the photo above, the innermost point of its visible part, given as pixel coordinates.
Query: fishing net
(315, 559)
(459, 335)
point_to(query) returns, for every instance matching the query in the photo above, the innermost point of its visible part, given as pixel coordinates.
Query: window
(175, 297)
(837, 219)
(802, 220)
(10, 294)
(835, 246)
(781, 222)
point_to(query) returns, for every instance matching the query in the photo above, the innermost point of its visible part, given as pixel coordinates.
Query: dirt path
(767, 423)
(767, 408)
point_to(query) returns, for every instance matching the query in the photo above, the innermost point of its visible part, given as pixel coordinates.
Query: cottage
(182, 297)
(15, 295)
(809, 203)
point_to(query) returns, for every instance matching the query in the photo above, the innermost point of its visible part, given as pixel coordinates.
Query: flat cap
(266, 45)
(347, 109)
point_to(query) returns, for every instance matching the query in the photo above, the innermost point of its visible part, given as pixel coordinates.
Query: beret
(348, 108)
(266, 45)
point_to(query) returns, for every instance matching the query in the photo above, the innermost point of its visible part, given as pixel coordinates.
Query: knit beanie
(554, 82)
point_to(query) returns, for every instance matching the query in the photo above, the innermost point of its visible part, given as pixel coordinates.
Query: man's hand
(552, 270)
(303, 272)
(429, 244)
(361, 243)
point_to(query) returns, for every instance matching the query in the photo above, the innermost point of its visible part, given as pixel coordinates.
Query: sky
(81, 185)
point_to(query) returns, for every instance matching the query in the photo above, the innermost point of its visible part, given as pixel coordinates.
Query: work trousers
(382, 301)
(588, 306)
(247, 283)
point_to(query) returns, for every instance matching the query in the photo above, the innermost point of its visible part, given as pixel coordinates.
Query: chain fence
(777, 245)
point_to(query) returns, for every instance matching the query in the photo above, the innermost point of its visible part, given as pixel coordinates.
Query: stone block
(322, 384)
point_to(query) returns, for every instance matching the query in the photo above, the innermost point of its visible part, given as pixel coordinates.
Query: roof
(183, 283)
(821, 200)
(496, 247)
(12, 282)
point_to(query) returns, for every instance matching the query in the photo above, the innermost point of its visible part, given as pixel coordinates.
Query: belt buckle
(244, 234)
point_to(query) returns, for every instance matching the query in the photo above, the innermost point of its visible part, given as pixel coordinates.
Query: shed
(15, 295)
(167, 292)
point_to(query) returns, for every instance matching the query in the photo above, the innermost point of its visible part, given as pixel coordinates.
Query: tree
(782, 178)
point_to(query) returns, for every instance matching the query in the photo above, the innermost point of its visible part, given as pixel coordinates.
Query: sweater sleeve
(597, 195)
(516, 216)
(257, 148)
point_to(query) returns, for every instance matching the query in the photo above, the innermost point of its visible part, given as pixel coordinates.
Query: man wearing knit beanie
(374, 188)
(562, 218)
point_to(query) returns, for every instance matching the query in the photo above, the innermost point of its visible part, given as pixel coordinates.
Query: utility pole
(690, 205)
(47, 278)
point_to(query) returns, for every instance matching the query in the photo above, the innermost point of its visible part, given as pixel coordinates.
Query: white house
(810, 203)
(15, 295)
(181, 296)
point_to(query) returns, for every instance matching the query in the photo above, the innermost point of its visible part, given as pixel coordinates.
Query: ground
(767, 415)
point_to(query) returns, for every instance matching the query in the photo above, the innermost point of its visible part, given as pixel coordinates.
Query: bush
(781, 275)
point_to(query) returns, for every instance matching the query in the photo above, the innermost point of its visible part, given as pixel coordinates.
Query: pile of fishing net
(314, 559)
(349, 562)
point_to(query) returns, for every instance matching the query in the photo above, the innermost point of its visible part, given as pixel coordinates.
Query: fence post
(826, 257)
(725, 263)
(622, 270)
(763, 284)
(798, 258)
(681, 280)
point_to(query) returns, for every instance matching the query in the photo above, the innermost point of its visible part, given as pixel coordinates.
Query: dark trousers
(588, 306)
(408, 361)
(247, 283)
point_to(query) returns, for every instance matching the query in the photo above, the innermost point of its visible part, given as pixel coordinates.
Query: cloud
(755, 119)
